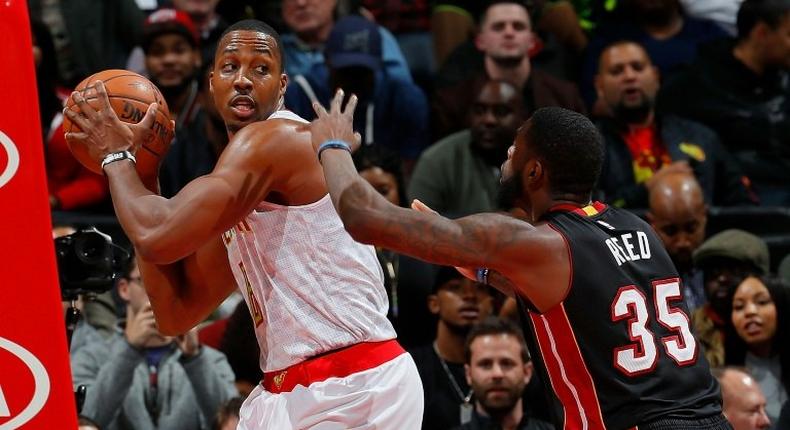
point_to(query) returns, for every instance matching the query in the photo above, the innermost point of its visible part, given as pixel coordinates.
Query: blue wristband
(482, 275)
(332, 144)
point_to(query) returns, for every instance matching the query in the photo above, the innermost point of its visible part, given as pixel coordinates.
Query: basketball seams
(141, 93)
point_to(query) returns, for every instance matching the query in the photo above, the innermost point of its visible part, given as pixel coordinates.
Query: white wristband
(117, 156)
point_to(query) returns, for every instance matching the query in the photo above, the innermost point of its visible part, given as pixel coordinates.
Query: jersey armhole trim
(570, 264)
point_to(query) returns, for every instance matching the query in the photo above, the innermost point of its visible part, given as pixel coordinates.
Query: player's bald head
(676, 191)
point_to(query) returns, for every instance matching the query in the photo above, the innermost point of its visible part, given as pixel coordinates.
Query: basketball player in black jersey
(597, 291)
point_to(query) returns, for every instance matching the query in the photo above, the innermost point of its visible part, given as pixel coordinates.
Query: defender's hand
(337, 124)
(100, 129)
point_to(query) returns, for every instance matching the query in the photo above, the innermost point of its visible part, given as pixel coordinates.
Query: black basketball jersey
(618, 350)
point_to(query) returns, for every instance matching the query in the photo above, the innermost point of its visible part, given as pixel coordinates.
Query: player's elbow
(154, 250)
(361, 226)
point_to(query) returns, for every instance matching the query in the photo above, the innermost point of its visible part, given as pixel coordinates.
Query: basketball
(130, 95)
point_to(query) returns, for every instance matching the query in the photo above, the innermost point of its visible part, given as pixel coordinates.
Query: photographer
(96, 311)
(141, 379)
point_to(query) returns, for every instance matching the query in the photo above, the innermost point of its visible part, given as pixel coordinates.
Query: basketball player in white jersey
(263, 220)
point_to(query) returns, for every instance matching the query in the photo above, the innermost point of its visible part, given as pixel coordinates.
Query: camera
(87, 263)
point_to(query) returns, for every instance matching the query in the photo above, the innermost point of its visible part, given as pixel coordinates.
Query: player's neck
(450, 344)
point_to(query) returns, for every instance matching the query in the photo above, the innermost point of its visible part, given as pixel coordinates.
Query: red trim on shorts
(568, 374)
(338, 364)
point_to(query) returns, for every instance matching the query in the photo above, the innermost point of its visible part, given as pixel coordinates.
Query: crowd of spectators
(692, 99)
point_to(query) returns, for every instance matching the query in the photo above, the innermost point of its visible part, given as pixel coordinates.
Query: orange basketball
(130, 95)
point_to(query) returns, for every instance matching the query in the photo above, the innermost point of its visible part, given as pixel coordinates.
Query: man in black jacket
(498, 368)
(741, 89)
(642, 145)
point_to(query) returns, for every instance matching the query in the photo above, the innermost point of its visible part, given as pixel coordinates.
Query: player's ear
(468, 373)
(210, 82)
(283, 84)
(534, 171)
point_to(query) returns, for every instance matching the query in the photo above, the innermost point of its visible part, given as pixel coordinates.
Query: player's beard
(510, 192)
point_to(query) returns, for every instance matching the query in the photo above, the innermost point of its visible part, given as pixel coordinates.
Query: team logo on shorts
(24, 385)
(9, 159)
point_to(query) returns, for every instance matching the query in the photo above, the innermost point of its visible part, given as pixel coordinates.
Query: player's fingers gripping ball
(129, 95)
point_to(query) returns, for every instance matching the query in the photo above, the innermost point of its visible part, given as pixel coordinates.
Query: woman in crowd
(757, 337)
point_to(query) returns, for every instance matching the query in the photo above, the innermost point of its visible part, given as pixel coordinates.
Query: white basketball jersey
(309, 286)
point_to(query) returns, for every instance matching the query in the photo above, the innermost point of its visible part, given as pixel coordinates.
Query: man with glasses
(142, 379)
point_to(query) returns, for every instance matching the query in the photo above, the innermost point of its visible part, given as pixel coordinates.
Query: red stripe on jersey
(569, 377)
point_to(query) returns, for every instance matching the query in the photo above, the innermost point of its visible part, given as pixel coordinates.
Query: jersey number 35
(641, 356)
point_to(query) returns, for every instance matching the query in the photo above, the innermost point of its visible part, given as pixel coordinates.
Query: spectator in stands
(459, 175)
(407, 280)
(722, 12)
(143, 379)
(208, 22)
(50, 101)
(784, 269)
(172, 58)
(410, 23)
(240, 346)
(557, 40)
(642, 144)
(391, 112)
(498, 368)
(71, 186)
(459, 303)
(743, 400)
(725, 259)
(228, 415)
(90, 36)
(310, 22)
(756, 337)
(669, 36)
(678, 214)
(452, 25)
(505, 39)
(741, 89)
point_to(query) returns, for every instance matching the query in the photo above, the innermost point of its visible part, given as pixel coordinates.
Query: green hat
(784, 268)
(737, 245)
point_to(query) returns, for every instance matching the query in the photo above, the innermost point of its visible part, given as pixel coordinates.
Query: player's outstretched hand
(100, 129)
(337, 124)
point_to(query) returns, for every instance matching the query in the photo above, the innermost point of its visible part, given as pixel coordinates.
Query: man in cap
(725, 259)
(391, 111)
(173, 60)
(459, 303)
